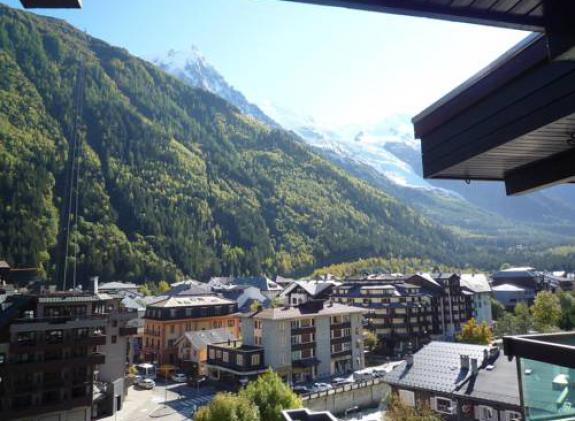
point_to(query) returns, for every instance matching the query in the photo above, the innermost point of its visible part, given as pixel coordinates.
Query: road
(174, 402)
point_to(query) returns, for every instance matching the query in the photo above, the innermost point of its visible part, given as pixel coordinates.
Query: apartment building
(62, 355)
(451, 305)
(168, 320)
(405, 312)
(301, 343)
(398, 313)
(477, 285)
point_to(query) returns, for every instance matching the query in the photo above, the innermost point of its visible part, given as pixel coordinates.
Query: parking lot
(168, 402)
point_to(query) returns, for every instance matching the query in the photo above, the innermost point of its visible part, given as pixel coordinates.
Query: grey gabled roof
(498, 384)
(313, 288)
(436, 367)
(202, 338)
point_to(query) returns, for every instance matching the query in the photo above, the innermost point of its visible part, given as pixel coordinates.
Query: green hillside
(174, 180)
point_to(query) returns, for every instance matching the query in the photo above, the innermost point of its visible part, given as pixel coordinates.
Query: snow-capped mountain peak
(193, 68)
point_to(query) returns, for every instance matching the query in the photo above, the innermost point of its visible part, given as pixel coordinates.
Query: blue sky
(337, 65)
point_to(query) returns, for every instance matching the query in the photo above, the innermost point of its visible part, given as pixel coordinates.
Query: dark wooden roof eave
(525, 15)
(513, 121)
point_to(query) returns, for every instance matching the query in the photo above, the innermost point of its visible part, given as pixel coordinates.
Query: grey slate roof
(497, 385)
(313, 288)
(436, 367)
(117, 285)
(302, 312)
(202, 338)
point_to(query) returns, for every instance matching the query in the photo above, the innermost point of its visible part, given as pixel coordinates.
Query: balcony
(43, 408)
(342, 325)
(96, 358)
(341, 353)
(302, 330)
(545, 373)
(68, 340)
(128, 331)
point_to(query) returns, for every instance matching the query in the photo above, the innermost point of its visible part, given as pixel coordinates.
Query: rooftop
(202, 338)
(288, 313)
(191, 302)
(499, 383)
(117, 285)
(436, 367)
(508, 288)
(475, 282)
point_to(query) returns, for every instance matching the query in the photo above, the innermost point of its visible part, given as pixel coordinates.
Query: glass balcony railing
(546, 372)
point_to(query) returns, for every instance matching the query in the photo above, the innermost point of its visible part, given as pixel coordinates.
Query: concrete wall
(276, 340)
(363, 395)
(323, 345)
(482, 307)
(357, 341)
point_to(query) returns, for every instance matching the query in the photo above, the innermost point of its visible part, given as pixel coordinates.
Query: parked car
(301, 390)
(321, 387)
(179, 378)
(342, 380)
(146, 384)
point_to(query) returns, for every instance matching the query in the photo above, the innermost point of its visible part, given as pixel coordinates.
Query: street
(146, 405)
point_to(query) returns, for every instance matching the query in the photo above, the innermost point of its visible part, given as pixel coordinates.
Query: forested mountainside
(174, 180)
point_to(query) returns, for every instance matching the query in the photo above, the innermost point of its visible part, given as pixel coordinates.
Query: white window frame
(449, 406)
(482, 409)
(513, 415)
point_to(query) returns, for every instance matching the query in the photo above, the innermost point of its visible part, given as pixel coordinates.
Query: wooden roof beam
(462, 14)
(546, 172)
(52, 4)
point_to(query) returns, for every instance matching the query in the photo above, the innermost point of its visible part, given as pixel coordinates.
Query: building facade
(405, 312)
(166, 321)
(301, 343)
(62, 356)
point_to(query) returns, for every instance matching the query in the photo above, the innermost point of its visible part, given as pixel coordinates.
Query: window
(240, 360)
(512, 416)
(407, 397)
(211, 354)
(114, 339)
(295, 355)
(485, 413)
(226, 356)
(172, 328)
(231, 323)
(2, 359)
(255, 359)
(257, 324)
(443, 405)
(295, 339)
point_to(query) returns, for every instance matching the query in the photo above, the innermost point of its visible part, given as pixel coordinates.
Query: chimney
(94, 284)
(474, 366)
(409, 360)
(464, 361)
